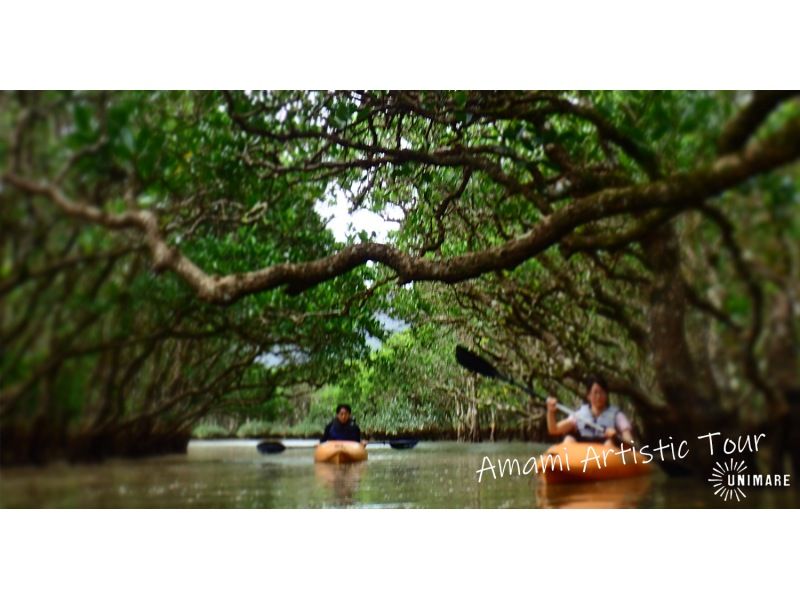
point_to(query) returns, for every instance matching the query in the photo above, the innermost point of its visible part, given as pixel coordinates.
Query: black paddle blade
(475, 363)
(403, 444)
(270, 448)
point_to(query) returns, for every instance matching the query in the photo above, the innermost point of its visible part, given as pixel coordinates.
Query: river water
(433, 475)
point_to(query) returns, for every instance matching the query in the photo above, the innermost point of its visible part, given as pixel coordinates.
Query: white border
(395, 553)
(415, 43)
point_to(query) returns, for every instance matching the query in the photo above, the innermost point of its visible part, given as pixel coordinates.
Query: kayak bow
(340, 451)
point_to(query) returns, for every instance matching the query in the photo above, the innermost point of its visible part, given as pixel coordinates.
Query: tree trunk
(692, 402)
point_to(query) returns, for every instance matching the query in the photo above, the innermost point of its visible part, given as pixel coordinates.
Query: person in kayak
(342, 427)
(596, 410)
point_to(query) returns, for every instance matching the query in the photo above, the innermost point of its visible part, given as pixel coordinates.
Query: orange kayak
(575, 462)
(340, 451)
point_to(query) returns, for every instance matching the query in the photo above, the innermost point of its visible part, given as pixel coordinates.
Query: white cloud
(342, 222)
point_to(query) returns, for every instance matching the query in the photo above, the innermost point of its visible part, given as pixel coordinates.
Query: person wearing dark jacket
(342, 427)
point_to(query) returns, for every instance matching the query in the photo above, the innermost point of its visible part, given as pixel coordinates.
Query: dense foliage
(103, 353)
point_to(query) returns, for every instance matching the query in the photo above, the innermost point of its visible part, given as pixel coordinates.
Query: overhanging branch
(679, 192)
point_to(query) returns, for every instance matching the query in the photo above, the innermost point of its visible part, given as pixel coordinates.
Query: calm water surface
(432, 475)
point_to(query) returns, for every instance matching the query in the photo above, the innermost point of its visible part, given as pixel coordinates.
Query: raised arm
(557, 428)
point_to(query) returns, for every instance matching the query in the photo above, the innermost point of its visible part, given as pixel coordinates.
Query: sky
(343, 221)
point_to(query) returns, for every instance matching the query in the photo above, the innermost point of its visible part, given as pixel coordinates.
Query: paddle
(271, 447)
(400, 444)
(478, 365)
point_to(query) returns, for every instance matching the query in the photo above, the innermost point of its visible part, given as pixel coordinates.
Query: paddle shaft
(477, 364)
(272, 447)
(559, 406)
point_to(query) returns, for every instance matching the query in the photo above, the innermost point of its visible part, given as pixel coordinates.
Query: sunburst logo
(724, 479)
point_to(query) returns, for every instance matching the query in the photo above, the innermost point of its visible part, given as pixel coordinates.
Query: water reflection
(342, 480)
(611, 494)
(432, 475)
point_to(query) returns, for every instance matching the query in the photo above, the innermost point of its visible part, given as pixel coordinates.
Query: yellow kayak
(340, 451)
(575, 462)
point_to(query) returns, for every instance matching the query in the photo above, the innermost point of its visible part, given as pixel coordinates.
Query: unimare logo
(725, 478)
(729, 479)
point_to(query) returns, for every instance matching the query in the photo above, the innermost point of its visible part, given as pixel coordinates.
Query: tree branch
(682, 191)
(750, 118)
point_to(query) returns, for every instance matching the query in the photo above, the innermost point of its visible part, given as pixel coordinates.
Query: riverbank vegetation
(166, 268)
